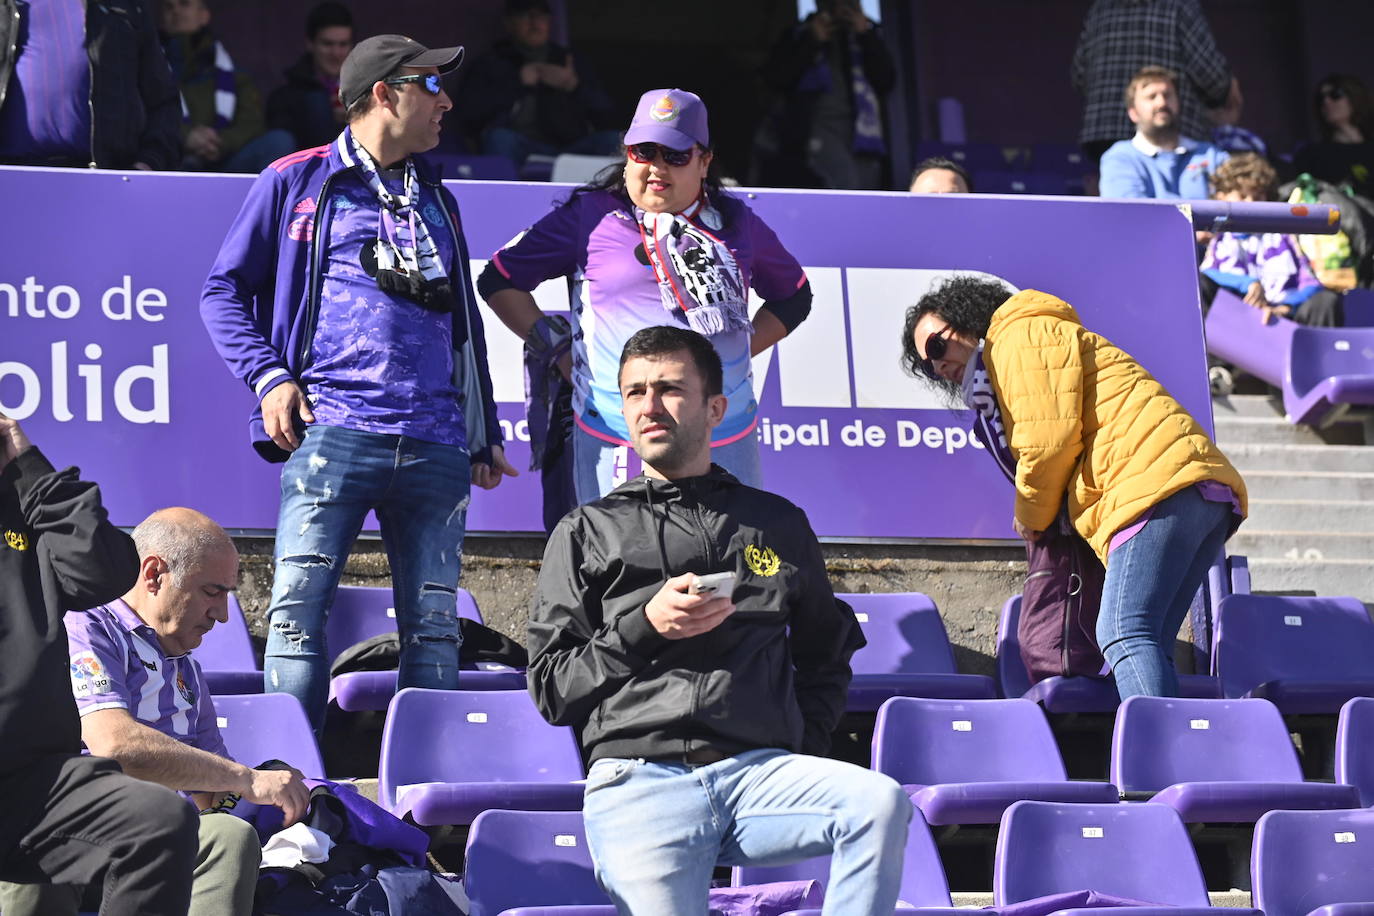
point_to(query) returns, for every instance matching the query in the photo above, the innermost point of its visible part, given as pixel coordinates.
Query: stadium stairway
(1311, 524)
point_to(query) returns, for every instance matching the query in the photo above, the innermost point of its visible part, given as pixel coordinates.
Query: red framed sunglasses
(645, 153)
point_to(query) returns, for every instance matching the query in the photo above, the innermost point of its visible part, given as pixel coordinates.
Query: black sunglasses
(430, 82)
(644, 153)
(1335, 93)
(936, 347)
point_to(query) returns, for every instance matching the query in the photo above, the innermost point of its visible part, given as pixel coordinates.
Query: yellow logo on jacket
(17, 539)
(762, 562)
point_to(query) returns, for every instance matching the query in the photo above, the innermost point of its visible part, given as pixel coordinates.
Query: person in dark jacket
(832, 72)
(70, 819)
(704, 713)
(86, 85)
(308, 104)
(528, 95)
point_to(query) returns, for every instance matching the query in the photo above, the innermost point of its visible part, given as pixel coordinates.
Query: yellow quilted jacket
(1084, 418)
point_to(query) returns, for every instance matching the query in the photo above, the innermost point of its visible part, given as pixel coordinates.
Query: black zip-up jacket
(772, 675)
(58, 551)
(135, 107)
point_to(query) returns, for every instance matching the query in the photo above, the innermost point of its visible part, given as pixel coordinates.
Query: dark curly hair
(966, 304)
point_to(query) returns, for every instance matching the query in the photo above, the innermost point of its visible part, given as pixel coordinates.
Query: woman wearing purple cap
(656, 241)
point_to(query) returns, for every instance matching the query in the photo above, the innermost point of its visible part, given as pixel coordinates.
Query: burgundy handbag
(1059, 605)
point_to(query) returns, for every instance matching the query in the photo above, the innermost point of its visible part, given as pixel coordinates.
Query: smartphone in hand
(716, 585)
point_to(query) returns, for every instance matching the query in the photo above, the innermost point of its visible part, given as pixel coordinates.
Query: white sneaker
(1220, 381)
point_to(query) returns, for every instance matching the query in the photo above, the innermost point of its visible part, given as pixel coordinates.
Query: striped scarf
(226, 91)
(407, 260)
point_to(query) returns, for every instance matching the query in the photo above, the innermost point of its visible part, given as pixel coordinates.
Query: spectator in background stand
(223, 128)
(938, 175)
(528, 95)
(1228, 135)
(85, 85)
(70, 817)
(1344, 154)
(1268, 270)
(308, 105)
(1120, 37)
(833, 71)
(1158, 162)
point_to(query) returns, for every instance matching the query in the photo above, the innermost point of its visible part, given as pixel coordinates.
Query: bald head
(183, 538)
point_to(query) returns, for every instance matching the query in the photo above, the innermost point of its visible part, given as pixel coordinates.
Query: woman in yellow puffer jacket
(1088, 428)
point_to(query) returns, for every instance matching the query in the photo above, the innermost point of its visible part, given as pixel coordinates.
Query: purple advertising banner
(104, 358)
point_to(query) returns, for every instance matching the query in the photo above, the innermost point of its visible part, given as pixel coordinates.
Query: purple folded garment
(1069, 900)
(766, 899)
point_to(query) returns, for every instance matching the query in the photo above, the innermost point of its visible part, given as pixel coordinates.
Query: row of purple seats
(358, 613)
(1213, 761)
(1321, 371)
(1047, 158)
(528, 863)
(1306, 655)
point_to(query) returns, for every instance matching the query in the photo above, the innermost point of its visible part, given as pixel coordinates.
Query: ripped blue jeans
(419, 491)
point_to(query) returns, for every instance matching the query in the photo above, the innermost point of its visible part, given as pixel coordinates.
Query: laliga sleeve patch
(89, 676)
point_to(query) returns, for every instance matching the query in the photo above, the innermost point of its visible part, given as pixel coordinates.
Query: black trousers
(87, 822)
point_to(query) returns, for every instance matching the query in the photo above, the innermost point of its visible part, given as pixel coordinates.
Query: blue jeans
(656, 830)
(1150, 583)
(599, 466)
(419, 491)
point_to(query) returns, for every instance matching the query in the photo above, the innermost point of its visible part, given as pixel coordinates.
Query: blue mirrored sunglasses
(430, 82)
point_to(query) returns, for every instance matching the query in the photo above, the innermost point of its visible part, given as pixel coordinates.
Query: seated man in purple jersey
(144, 704)
(69, 817)
(656, 241)
(341, 297)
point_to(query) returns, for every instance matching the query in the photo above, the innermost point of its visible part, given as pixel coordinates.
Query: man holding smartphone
(685, 626)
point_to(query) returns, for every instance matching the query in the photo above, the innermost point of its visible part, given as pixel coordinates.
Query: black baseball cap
(376, 58)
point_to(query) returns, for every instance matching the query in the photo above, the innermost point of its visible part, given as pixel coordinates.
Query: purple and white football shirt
(117, 662)
(595, 240)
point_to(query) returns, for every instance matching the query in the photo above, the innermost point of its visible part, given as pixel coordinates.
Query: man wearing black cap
(341, 297)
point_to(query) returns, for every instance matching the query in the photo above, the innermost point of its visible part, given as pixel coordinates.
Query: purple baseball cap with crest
(674, 117)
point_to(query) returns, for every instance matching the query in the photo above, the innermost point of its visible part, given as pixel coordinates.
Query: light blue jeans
(599, 466)
(1150, 583)
(419, 491)
(657, 830)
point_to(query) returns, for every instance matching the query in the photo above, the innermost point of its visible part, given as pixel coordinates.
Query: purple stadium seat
(1214, 761)
(1069, 694)
(268, 726)
(908, 653)
(1137, 852)
(923, 877)
(1320, 370)
(1061, 158)
(1359, 308)
(977, 157)
(1329, 369)
(1314, 862)
(361, 612)
(1304, 655)
(226, 656)
(528, 862)
(1001, 181)
(471, 168)
(1355, 748)
(448, 755)
(966, 762)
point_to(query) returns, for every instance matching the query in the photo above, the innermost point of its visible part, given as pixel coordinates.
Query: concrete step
(1236, 430)
(1324, 577)
(1350, 516)
(1247, 405)
(1302, 545)
(1250, 456)
(1321, 485)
